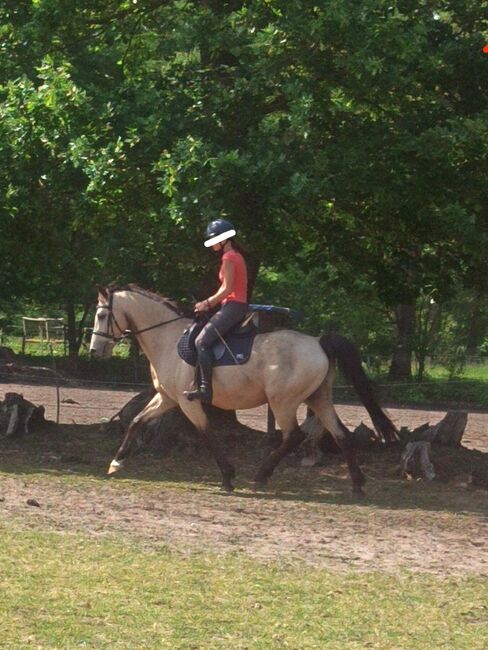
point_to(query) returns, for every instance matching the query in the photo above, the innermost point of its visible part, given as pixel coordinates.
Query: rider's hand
(201, 306)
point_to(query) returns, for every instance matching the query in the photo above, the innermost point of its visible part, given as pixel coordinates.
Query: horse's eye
(102, 316)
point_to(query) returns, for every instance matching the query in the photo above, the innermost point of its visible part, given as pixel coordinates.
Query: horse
(286, 368)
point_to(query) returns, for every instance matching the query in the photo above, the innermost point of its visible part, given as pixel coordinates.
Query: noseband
(125, 333)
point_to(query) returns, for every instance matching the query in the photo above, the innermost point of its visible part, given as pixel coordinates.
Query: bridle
(125, 333)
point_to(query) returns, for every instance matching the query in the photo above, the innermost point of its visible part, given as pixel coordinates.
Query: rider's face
(218, 247)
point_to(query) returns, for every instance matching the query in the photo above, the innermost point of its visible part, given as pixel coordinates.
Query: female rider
(231, 296)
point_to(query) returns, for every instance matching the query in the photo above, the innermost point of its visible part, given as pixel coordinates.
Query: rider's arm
(224, 290)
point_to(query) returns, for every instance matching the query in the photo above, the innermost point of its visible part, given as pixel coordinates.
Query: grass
(121, 367)
(66, 591)
(467, 390)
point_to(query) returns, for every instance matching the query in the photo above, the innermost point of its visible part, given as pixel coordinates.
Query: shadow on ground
(84, 451)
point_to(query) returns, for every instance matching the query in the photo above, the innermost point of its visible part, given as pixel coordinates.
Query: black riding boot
(204, 390)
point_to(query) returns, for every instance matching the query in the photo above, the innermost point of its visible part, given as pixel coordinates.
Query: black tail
(341, 350)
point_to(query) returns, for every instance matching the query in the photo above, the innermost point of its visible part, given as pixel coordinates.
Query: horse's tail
(341, 351)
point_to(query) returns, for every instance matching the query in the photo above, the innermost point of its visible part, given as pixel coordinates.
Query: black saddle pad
(239, 342)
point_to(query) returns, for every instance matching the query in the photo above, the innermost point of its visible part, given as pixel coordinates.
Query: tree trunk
(72, 333)
(401, 362)
(476, 330)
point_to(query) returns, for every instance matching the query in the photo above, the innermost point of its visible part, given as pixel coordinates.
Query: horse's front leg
(159, 404)
(197, 416)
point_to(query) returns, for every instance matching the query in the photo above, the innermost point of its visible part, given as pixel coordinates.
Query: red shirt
(239, 290)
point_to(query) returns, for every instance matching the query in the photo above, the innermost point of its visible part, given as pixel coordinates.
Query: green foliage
(352, 137)
(329, 306)
(462, 392)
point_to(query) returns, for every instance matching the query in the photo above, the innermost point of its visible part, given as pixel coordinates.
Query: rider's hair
(237, 247)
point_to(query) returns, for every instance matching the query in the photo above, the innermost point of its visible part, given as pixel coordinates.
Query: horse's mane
(152, 295)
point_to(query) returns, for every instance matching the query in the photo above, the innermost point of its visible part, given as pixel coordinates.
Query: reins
(126, 333)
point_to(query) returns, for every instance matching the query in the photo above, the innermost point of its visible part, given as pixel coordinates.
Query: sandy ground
(307, 514)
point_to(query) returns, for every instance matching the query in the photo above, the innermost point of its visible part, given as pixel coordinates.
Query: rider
(231, 296)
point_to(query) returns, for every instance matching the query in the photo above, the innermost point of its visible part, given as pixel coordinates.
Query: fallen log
(34, 374)
(479, 477)
(128, 412)
(172, 430)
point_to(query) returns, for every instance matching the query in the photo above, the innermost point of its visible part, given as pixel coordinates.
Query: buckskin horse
(286, 368)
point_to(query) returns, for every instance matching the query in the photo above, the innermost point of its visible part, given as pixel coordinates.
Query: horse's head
(110, 323)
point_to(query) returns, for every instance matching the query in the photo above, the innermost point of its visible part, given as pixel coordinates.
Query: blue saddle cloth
(239, 341)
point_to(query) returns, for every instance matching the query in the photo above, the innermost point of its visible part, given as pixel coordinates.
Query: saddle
(236, 349)
(240, 338)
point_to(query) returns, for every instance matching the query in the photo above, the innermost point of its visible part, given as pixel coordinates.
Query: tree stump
(448, 432)
(415, 461)
(364, 437)
(18, 416)
(7, 355)
(311, 448)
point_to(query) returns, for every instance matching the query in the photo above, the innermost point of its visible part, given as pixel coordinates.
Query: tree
(349, 139)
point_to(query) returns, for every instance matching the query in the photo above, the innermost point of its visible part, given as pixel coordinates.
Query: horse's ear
(102, 290)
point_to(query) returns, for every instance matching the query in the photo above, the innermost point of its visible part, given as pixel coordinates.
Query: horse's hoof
(260, 485)
(114, 466)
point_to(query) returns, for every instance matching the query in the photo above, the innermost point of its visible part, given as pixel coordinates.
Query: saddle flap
(218, 351)
(239, 342)
(186, 344)
(193, 331)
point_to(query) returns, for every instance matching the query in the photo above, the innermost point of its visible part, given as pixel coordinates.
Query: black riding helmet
(218, 231)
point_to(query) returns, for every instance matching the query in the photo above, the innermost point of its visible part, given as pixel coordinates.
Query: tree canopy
(348, 138)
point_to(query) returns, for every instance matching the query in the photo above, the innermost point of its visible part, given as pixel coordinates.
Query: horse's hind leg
(196, 414)
(321, 404)
(292, 437)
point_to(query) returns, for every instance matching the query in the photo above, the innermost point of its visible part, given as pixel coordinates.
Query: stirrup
(203, 393)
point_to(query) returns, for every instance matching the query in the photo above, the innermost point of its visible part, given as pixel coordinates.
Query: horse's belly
(233, 404)
(231, 392)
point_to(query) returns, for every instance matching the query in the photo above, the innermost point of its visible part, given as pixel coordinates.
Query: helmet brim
(218, 238)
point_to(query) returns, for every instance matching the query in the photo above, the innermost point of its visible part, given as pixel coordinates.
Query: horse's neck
(144, 313)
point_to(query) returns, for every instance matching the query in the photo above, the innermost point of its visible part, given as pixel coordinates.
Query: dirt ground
(306, 514)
